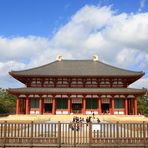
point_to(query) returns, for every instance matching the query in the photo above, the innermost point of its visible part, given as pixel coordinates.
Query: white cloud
(83, 24)
(21, 48)
(141, 83)
(118, 39)
(8, 66)
(129, 30)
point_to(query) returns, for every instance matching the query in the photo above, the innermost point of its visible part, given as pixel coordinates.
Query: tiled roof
(77, 90)
(76, 68)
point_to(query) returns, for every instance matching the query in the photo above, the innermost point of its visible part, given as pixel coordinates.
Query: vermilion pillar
(53, 105)
(84, 104)
(99, 105)
(135, 105)
(112, 104)
(41, 105)
(27, 105)
(18, 105)
(126, 106)
(69, 104)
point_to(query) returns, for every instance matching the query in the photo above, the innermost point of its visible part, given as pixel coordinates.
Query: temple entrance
(76, 105)
(48, 107)
(105, 108)
(76, 108)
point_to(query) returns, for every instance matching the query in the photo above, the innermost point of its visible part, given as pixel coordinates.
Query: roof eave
(140, 92)
(139, 75)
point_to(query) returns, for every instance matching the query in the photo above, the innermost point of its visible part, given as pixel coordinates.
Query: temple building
(77, 87)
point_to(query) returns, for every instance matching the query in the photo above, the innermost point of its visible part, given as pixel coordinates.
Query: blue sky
(33, 32)
(43, 17)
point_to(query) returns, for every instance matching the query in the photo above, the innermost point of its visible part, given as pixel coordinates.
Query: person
(98, 120)
(78, 126)
(93, 115)
(71, 125)
(83, 119)
(77, 119)
(87, 120)
(74, 118)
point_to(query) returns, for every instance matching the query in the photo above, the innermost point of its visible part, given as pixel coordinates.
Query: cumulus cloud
(119, 39)
(19, 48)
(9, 65)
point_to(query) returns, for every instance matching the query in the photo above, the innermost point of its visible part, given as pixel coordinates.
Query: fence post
(74, 134)
(5, 130)
(118, 145)
(31, 138)
(144, 136)
(90, 134)
(59, 133)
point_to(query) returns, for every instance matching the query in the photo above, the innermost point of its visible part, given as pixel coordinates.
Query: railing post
(118, 145)
(5, 130)
(74, 134)
(31, 138)
(59, 133)
(144, 135)
(90, 134)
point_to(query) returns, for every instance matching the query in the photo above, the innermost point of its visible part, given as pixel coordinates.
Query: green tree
(143, 104)
(7, 102)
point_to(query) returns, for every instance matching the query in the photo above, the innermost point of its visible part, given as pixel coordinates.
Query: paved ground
(67, 118)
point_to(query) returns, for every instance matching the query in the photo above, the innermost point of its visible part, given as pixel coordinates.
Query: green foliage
(7, 102)
(143, 104)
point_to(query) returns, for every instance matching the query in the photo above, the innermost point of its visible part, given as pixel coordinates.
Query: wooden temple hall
(76, 87)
